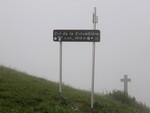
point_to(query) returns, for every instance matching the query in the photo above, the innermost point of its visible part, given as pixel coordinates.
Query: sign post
(95, 20)
(78, 36)
(60, 66)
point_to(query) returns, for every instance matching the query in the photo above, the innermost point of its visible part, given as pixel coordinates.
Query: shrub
(121, 97)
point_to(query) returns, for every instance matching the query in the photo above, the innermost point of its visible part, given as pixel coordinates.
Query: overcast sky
(26, 42)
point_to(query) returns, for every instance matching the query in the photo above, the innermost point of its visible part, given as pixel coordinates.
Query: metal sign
(76, 35)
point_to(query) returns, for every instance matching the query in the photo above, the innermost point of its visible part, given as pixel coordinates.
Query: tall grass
(23, 93)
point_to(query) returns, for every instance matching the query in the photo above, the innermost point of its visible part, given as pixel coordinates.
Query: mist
(26, 42)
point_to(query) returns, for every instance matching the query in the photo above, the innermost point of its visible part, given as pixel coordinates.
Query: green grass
(23, 93)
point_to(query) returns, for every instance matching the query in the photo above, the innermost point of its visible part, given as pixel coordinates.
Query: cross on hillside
(126, 80)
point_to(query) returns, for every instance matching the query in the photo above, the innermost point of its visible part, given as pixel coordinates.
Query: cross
(125, 80)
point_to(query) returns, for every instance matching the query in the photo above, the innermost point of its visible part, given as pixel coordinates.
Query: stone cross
(125, 80)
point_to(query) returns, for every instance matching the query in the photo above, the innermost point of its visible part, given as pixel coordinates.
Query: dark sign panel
(76, 35)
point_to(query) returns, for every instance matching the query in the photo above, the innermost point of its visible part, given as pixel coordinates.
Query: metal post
(93, 72)
(95, 20)
(60, 67)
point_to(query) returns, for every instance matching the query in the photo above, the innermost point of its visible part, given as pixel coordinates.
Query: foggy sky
(26, 42)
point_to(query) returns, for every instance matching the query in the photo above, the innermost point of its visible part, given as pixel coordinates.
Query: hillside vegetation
(23, 93)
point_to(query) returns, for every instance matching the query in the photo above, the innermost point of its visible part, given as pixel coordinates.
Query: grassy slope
(21, 93)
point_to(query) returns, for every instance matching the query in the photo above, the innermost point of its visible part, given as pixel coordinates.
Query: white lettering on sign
(65, 33)
(86, 34)
(70, 33)
(57, 33)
